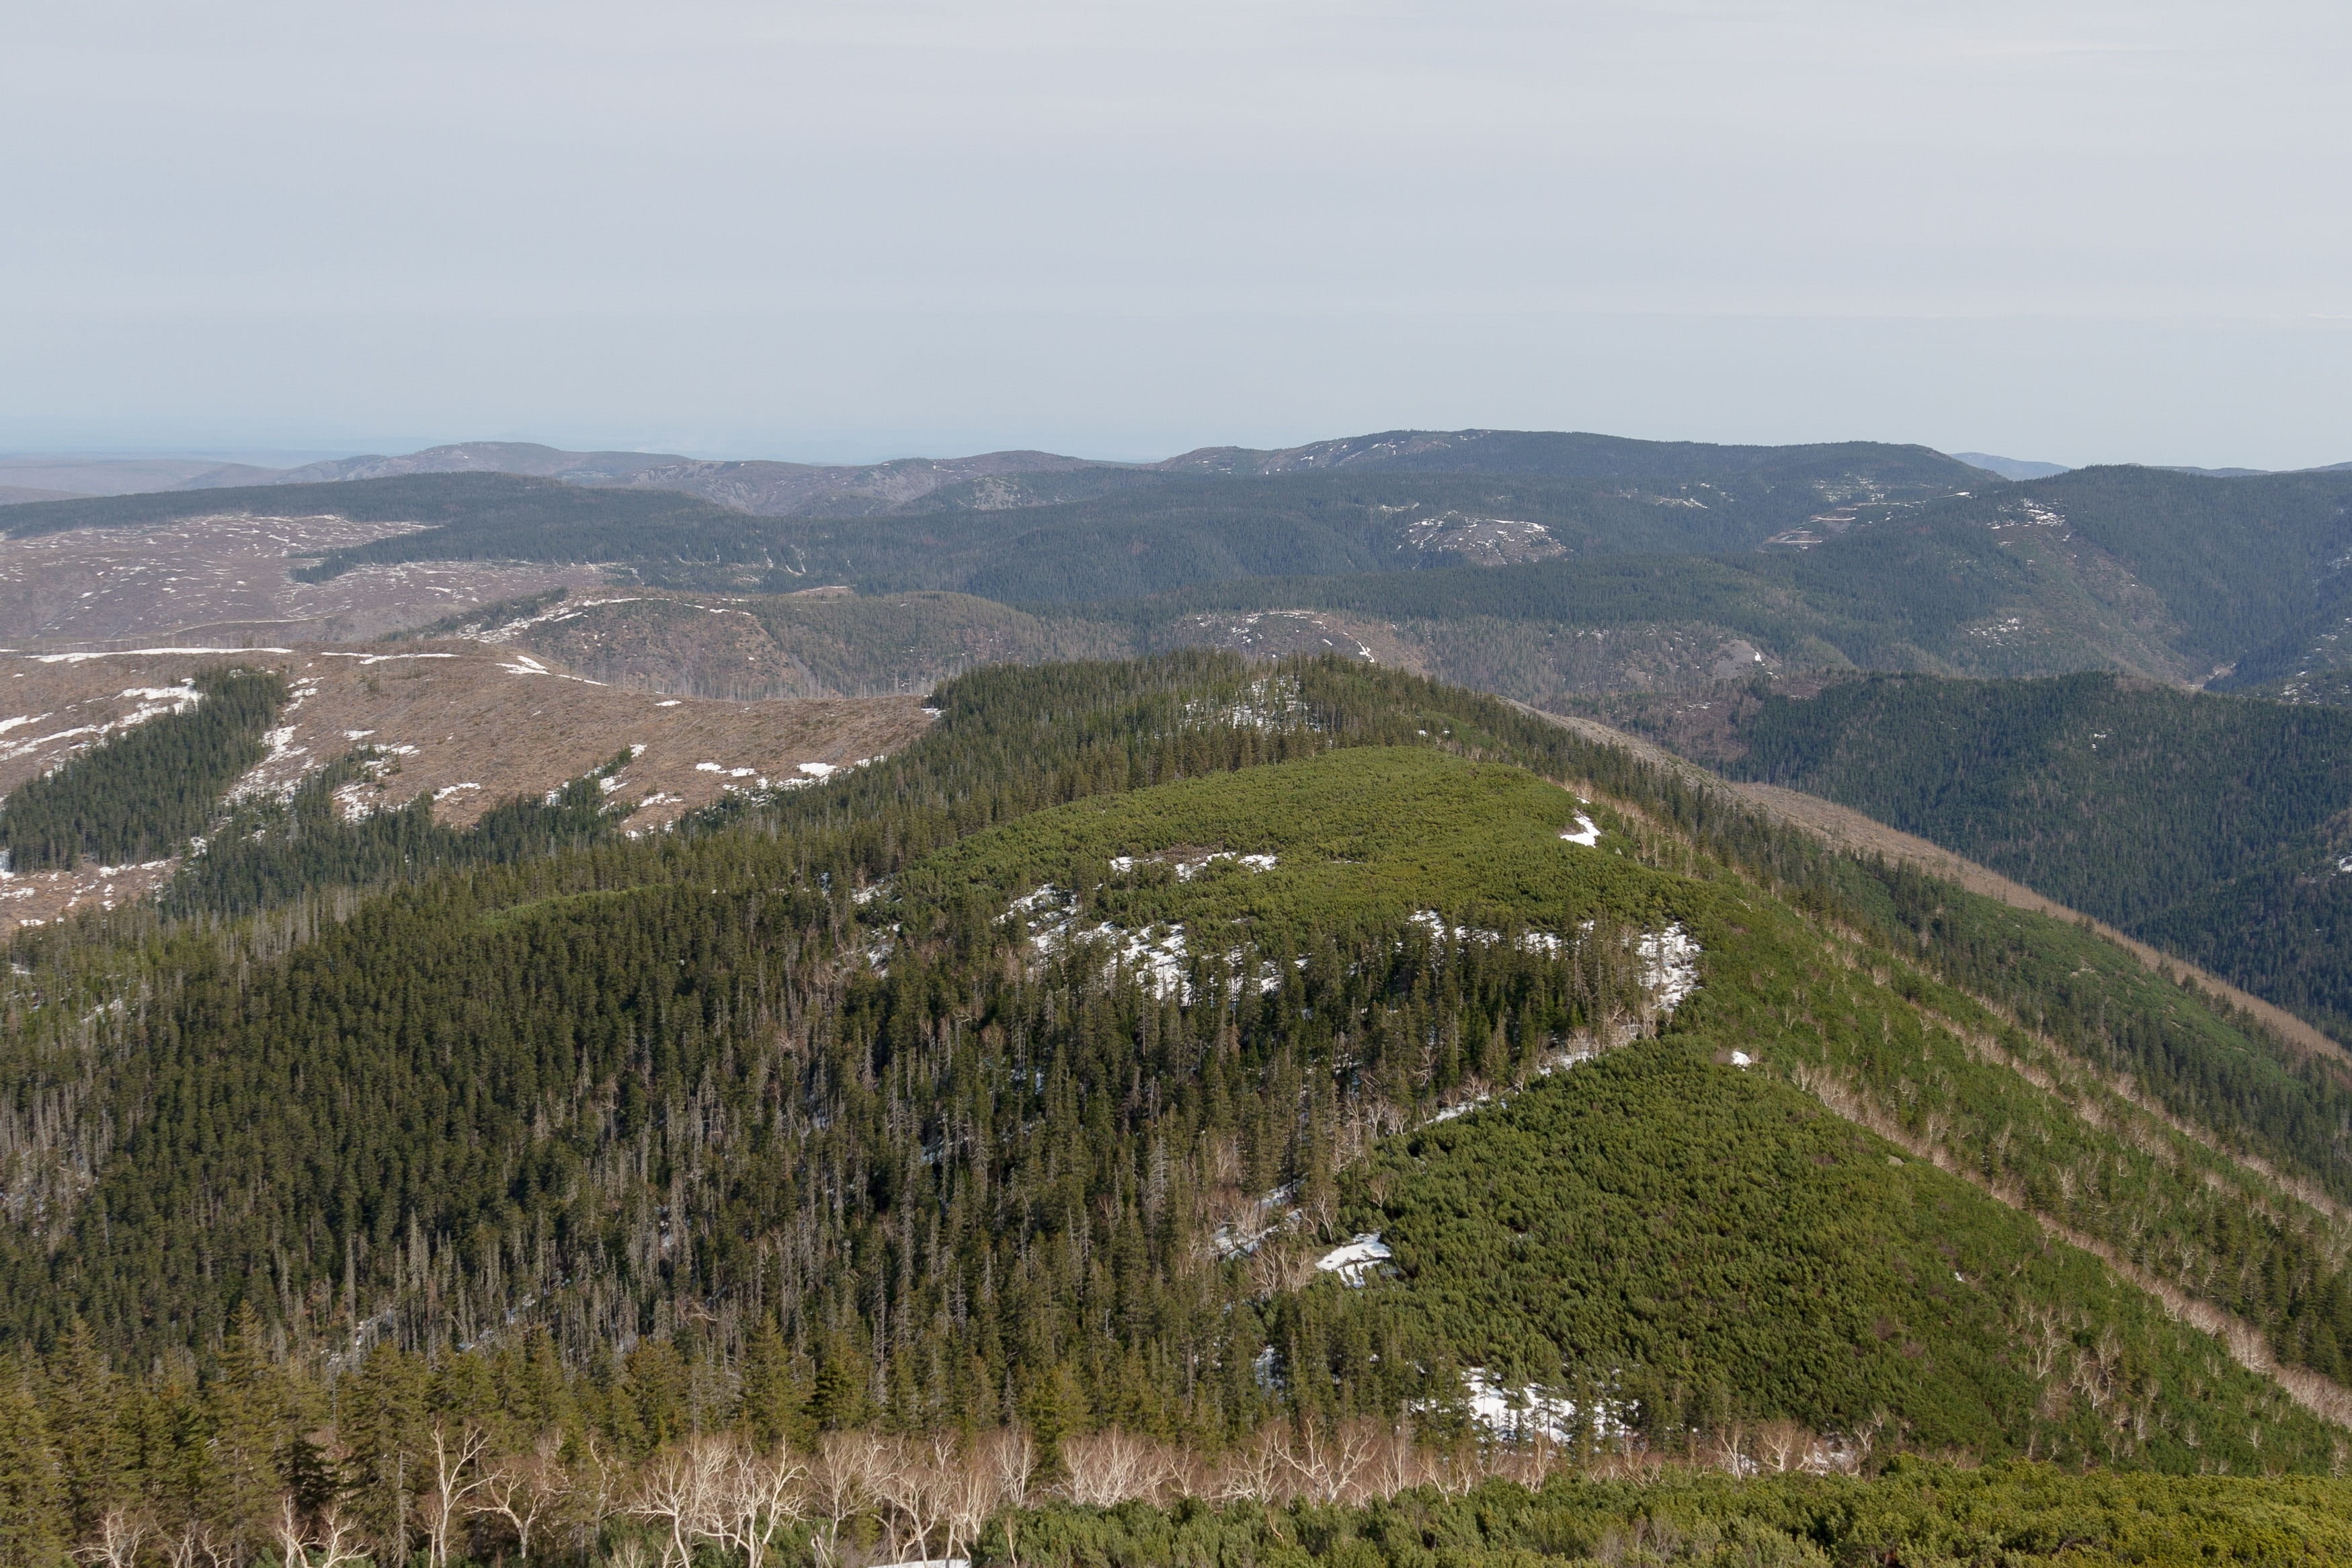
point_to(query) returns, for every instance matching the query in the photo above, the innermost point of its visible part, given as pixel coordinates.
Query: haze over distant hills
(2011, 467)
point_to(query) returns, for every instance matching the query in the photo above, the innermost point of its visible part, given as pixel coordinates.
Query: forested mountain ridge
(2216, 827)
(1165, 1049)
(578, 941)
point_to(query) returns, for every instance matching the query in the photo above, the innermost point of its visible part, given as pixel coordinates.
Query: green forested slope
(799, 1122)
(533, 1064)
(2212, 825)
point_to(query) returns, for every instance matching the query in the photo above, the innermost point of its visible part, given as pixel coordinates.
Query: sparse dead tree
(1727, 1451)
(526, 1489)
(457, 1477)
(120, 1535)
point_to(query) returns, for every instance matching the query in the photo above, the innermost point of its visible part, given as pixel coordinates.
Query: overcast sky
(2077, 232)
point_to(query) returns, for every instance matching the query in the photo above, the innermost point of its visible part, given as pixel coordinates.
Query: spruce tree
(32, 1491)
(86, 1423)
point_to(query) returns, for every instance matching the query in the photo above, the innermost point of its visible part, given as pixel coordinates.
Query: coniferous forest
(1179, 1111)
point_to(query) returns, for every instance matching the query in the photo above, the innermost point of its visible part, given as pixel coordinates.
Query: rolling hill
(1596, 565)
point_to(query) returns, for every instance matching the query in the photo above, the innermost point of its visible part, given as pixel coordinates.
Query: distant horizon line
(822, 453)
(859, 455)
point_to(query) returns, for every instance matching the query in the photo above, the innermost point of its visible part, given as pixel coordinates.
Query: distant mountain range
(1002, 480)
(986, 481)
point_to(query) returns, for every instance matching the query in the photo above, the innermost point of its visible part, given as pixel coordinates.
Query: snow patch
(377, 658)
(1358, 1263)
(1186, 869)
(147, 653)
(1587, 832)
(1530, 1411)
(1669, 966)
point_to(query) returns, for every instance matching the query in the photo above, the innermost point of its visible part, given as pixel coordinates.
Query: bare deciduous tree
(1727, 1451)
(1329, 1462)
(337, 1538)
(456, 1475)
(915, 1480)
(120, 1535)
(1256, 1471)
(1781, 1445)
(1012, 1456)
(1114, 1467)
(683, 1491)
(293, 1540)
(840, 1482)
(526, 1489)
(194, 1545)
(761, 1493)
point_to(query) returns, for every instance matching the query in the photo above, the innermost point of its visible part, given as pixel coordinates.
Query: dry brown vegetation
(467, 724)
(228, 578)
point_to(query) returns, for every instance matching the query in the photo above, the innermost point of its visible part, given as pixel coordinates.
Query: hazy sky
(2077, 232)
